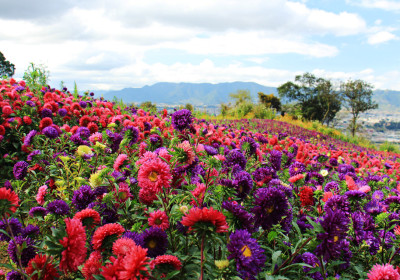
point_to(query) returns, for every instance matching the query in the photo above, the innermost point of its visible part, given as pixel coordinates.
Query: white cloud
(377, 4)
(381, 37)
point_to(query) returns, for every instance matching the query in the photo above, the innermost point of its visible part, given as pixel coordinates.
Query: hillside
(213, 94)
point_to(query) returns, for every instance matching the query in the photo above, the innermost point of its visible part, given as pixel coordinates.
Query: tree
(270, 101)
(241, 96)
(189, 107)
(36, 76)
(357, 98)
(317, 97)
(7, 69)
(148, 106)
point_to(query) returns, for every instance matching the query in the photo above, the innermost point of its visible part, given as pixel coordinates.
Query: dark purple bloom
(314, 174)
(38, 211)
(155, 240)
(28, 252)
(109, 214)
(338, 202)
(373, 207)
(82, 197)
(83, 104)
(46, 113)
(20, 170)
(243, 184)
(296, 168)
(235, 157)
(100, 190)
(58, 207)
(247, 253)
(271, 207)
(116, 139)
(249, 146)
(14, 275)
(30, 103)
(244, 218)
(264, 174)
(132, 134)
(76, 138)
(378, 195)
(147, 126)
(135, 237)
(210, 150)
(7, 185)
(356, 194)
(29, 137)
(62, 112)
(181, 119)
(30, 230)
(275, 159)
(333, 162)
(312, 260)
(50, 132)
(332, 186)
(32, 154)
(83, 132)
(303, 222)
(15, 225)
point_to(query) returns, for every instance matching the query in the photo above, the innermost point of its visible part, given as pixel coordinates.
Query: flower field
(90, 190)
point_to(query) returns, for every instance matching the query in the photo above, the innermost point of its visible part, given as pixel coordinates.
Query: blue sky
(104, 45)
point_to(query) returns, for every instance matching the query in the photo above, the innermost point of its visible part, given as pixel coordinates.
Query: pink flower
(145, 157)
(187, 148)
(154, 174)
(119, 161)
(41, 194)
(96, 137)
(387, 272)
(365, 188)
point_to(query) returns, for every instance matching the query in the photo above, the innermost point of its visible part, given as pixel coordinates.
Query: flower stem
(202, 258)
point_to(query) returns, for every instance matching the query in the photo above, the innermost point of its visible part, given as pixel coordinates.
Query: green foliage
(261, 112)
(357, 98)
(36, 76)
(7, 69)
(317, 97)
(241, 96)
(243, 109)
(148, 106)
(189, 107)
(225, 109)
(270, 101)
(389, 147)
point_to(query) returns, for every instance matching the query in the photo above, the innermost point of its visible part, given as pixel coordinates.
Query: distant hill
(200, 94)
(182, 93)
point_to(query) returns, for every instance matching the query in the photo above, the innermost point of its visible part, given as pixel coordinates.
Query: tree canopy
(7, 69)
(316, 96)
(270, 101)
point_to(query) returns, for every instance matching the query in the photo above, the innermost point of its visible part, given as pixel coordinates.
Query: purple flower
(243, 184)
(155, 240)
(116, 139)
(235, 157)
(20, 170)
(378, 195)
(62, 112)
(83, 132)
(244, 218)
(210, 150)
(135, 237)
(296, 168)
(373, 207)
(15, 225)
(132, 134)
(338, 202)
(29, 137)
(46, 113)
(332, 186)
(312, 260)
(83, 104)
(264, 174)
(32, 154)
(271, 207)
(76, 138)
(181, 119)
(14, 275)
(28, 252)
(58, 207)
(30, 103)
(146, 126)
(82, 197)
(275, 159)
(50, 132)
(30, 230)
(38, 212)
(249, 146)
(246, 252)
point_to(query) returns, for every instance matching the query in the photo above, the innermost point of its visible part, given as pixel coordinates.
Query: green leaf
(272, 235)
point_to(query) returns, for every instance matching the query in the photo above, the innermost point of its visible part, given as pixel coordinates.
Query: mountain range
(206, 94)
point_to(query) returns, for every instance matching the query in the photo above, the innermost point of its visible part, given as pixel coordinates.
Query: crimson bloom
(88, 217)
(74, 244)
(8, 201)
(159, 219)
(154, 174)
(44, 267)
(92, 265)
(106, 233)
(134, 264)
(205, 215)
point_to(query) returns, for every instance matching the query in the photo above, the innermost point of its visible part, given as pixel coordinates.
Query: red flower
(27, 120)
(44, 266)
(154, 174)
(74, 243)
(92, 127)
(84, 121)
(166, 259)
(92, 266)
(2, 130)
(134, 263)
(45, 122)
(306, 196)
(205, 215)
(88, 217)
(105, 231)
(159, 219)
(122, 246)
(8, 201)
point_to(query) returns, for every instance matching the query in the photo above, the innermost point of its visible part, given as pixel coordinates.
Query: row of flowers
(96, 191)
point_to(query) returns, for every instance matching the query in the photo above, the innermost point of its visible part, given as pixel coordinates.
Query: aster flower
(119, 161)
(154, 174)
(386, 271)
(155, 240)
(116, 139)
(122, 246)
(27, 253)
(207, 216)
(271, 206)
(8, 201)
(38, 212)
(29, 137)
(62, 112)
(275, 159)
(249, 146)
(132, 134)
(82, 197)
(41, 194)
(74, 253)
(134, 236)
(44, 268)
(89, 217)
(245, 219)
(249, 256)
(158, 219)
(104, 236)
(243, 184)
(50, 132)
(14, 275)
(30, 231)
(13, 224)
(373, 207)
(235, 157)
(338, 202)
(378, 195)
(147, 196)
(20, 170)
(188, 154)
(92, 265)
(210, 150)
(312, 260)
(306, 196)
(181, 119)
(296, 168)
(46, 113)
(58, 207)
(134, 264)
(32, 154)
(165, 264)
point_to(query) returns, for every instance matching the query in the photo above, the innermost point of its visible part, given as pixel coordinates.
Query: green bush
(261, 112)
(389, 147)
(243, 109)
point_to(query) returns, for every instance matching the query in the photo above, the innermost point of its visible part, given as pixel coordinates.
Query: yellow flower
(221, 264)
(324, 172)
(84, 150)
